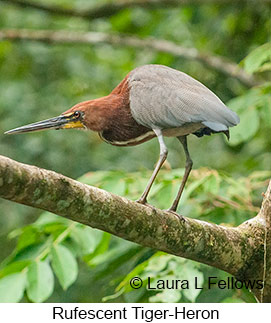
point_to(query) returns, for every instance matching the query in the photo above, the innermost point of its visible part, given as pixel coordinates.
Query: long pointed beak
(60, 122)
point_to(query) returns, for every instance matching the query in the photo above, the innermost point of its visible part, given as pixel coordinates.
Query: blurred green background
(40, 80)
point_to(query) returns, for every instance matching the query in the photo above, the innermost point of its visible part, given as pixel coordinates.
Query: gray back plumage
(161, 97)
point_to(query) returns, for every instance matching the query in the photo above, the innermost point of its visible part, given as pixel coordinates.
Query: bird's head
(84, 115)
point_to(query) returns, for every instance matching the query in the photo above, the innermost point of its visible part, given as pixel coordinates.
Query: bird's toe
(146, 204)
(179, 216)
(142, 201)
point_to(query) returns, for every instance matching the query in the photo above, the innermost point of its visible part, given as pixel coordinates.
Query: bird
(151, 101)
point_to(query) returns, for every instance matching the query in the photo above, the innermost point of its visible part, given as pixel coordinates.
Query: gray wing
(161, 97)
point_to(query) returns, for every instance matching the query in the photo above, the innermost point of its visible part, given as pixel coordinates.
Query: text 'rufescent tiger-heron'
(151, 101)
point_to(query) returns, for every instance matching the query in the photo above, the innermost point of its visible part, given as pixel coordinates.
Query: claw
(179, 216)
(145, 203)
(142, 201)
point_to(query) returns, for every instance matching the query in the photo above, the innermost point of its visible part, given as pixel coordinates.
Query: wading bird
(151, 101)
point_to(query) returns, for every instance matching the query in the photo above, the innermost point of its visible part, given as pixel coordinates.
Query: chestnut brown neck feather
(111, 117)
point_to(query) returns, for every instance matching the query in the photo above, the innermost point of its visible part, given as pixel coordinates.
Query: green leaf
(86, 238)
(265, 67)
(64, 265)
(29, 253)
(191, 188)
(12, 287)
(107, 260)
(232, 300)
(250, 107)
(195, 278)
(40, 281)
(157, 262)
(100, 249)
(249, 99)
(249, 125)
(265, 106)
(120, 252)
(29, 236)
(50, 218)
(257, 58)
(14, 267)
(55, 229)
(93, 178)
(211, 185)
(125, 284)
(114, 183)
(193, 292)
(167, 296)
(164, 195)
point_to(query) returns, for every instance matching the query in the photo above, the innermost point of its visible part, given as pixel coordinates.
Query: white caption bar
(134, 312)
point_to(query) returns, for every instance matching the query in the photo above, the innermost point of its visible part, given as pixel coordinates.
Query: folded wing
(161, 97)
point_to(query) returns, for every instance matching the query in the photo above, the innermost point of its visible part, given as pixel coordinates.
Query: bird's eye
(77, 114)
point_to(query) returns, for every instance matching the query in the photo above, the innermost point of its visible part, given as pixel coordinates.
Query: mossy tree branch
(240, 251)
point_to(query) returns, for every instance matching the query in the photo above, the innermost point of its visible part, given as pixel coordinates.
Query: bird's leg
(162, 158)
(188, 167)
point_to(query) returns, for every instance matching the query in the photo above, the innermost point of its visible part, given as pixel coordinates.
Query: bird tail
(207, 131)
(227, 133)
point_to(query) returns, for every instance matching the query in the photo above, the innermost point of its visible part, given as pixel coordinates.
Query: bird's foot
(141, 201)
(179, 216)
(144, 202)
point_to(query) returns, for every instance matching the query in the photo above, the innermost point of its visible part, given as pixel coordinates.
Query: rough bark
(240, 251)
(218, 63)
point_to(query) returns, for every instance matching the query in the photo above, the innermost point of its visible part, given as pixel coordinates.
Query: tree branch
(238, 251)
(109, 9)
(217, 63)
(265, 216)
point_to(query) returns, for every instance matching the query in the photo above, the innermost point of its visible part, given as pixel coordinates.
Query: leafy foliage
(259, 60)
(12, 287)
(253, 108)
(38, 81)
(50, 241)
(40, 281)
(65, 265)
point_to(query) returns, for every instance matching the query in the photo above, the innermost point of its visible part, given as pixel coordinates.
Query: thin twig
(112, 8)
(217, 63)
